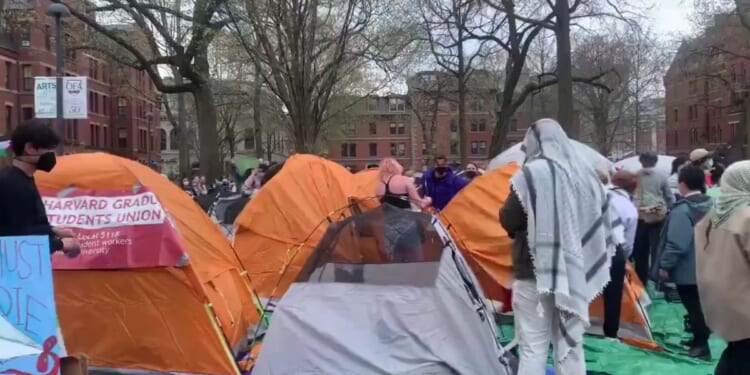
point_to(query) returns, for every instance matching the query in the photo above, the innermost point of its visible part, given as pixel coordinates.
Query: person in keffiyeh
(565, 232)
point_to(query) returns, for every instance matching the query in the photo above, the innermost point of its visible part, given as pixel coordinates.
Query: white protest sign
(96, 212)
(75, 95)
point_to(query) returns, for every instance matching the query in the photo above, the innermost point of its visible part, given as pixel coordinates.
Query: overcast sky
(671, 16)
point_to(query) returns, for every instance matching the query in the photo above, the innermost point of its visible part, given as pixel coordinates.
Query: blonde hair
(389, 167)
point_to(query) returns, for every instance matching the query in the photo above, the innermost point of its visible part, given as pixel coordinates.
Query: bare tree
(445, 24)
(604, 112)
(309, 49)
(513, 29)
(425, 96)
(151, 43)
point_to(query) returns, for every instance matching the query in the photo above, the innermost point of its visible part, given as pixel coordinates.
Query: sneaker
(702, 353)
(611, 339)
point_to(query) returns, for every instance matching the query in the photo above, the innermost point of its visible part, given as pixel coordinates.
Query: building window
(122, 106)
(398, 149)
(350, 129)
(28, 78)
(47, 38)
(477, 105)
(71, 53)
(122, 138)
(105, 136)
(397, 129)
(71, 130)
(162, 139)
(373, 149)
(373, 128)
(514, 125)
(9, 117)
(372, 104)
(454, 148)
(479, 126)
(94, 135)
(693, 136)
(173, 138)
(676, 115)
(349, 150)
(396, 105)
(8, 70)
(454, 126)
(733, 129)
(27, 113)
(478, 148)
(25, 36)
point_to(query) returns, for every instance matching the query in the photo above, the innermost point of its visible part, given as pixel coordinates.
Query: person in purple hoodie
(441, 184)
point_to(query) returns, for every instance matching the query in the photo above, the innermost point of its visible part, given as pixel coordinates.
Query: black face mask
(471, 174)
(46, 162)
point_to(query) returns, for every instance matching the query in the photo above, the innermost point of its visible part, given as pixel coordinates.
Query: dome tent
(633, 164)
(148, 319)
(383, 292)
(516, 154)
(472, 218)
(290, 212)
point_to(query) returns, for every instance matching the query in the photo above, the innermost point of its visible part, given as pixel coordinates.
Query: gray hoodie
(653, 189)
(676, 251)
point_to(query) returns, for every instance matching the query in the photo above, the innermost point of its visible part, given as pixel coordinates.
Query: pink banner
(116, 229)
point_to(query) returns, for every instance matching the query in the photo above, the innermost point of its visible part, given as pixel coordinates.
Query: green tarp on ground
(607, 357)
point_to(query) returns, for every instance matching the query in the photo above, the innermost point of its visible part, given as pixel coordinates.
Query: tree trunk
(205, 110)
(463, 134)
(269, 146)
(565, 113)
(502, 128)
(183, 134)
(231, 140)
(257, 122)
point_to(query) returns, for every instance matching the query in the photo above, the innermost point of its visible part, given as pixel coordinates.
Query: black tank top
(396, 200)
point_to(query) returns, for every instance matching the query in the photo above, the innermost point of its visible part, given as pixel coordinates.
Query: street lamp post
(59, 11)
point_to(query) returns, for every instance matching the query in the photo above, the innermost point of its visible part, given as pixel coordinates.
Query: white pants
(536, 327)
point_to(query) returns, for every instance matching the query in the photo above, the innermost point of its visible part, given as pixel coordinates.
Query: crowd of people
(575, 226)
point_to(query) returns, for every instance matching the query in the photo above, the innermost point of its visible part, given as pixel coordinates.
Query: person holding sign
(22, 211)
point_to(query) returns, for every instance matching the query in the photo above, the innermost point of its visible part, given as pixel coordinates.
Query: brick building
(122, 102)
(413, 128)
(701, 110)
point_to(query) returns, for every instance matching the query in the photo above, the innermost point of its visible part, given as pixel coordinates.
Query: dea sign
(74, 97)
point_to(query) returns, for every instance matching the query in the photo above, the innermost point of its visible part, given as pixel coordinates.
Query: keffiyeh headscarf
(572, 227)
(735, 192)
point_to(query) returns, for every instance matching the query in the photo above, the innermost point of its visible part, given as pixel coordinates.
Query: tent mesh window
(383, 246)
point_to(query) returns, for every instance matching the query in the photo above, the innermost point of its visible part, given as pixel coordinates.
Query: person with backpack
(653, 198)
(676, 254)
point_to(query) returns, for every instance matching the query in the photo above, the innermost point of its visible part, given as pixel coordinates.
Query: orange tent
(472, 218)
(284, 221)
(365, 182)
(159, 319)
